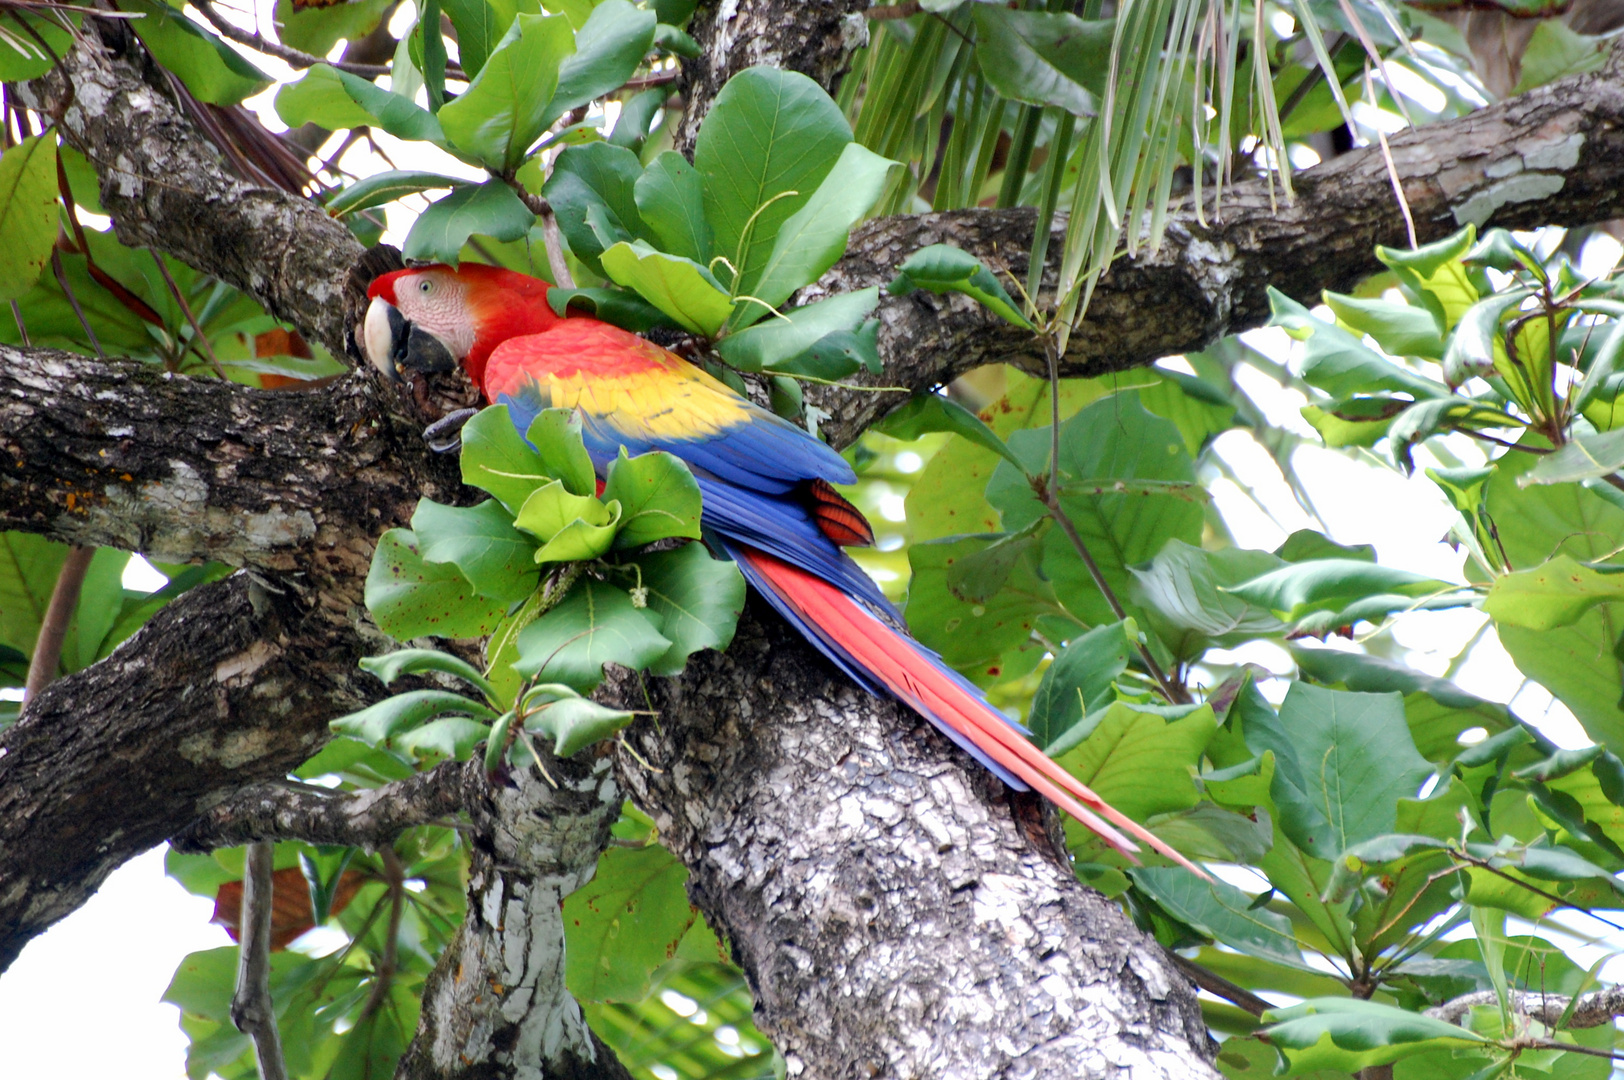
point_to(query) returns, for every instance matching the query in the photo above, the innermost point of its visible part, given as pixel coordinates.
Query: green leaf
(814, 238)
(453, 737)
(391, 666)
(1555, 593)
(1330, 585)
(572, 527)
(1221, 912)
(1400, 329)
(22, 58)
(1587, 456)
(637, 117)
(697, 598)
(1425, 419)
(676, 285)
(556, 435)
(1044, 58)
(769, 133)
(480, 25)
(780, 340)
(575, 723)
(28, 218)
(1339, 363)
(594, 625)
(316, 30)
(1348, 1034)
(614, 306)
(1186, 593)
(386, 187)
(489, 209)
(624, 923)
(496, 558)
(608, 49)
(497, 460)
(320, 98)
(943, 268)
(671, 202)
(506, 107)
(212, 70)
(965, 632)
(658, 497)
(1113, 439)
(1080, 680)
(1556, 50)
(411, 597)
(924, 413)
(1476, 347)
(396, 114)
(1140, 763)
(1434, 275)
(1343, 760)
(592, 191)
(378, 724)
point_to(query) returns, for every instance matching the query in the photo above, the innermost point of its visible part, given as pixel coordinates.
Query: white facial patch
(435, 301)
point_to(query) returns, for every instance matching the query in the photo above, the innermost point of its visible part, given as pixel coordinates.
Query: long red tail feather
(915, 677)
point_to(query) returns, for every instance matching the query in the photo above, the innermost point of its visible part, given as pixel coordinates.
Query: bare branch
(251, 1008)
(365, 819)
(1594, 1009)
(53, 629)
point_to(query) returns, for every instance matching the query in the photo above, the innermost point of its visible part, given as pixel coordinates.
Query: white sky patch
(141, 576)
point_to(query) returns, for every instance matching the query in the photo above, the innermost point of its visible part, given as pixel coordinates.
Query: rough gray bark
(496, 1004)
(815, 38)
(895, 911)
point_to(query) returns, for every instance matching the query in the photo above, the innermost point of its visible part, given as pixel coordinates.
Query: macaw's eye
(425, 287)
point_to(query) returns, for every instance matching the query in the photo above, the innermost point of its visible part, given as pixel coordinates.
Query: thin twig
(383, 976)
(199, 339)
(1593, 1010)
(251, 1008)
(294, 57)
(551, 234)
(73, 301)
(53, 629)
(1218, 986)
(22, 330)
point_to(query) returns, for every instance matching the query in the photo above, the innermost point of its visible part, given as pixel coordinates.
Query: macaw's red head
(431, 318)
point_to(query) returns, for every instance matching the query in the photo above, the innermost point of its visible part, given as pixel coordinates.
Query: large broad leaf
(212, 70)
(592, 191)
(1222, 912)
(925, 413)
(596, 624)
(320, 98)
(780, 340)
(814, 237)
(1575, 662)
(1343, 760)
(556, 435)
(575, 723)
(1044, 59)
(697, 598)
(1141, 763)
(1348, 1034)
(1400, 329)
(1338, 362)
(608, 48)
(676, 285)
(1553, 594)
(505, 108)
(1114, 439)
(624, 923)
(480, 25)
(386, 187)
(28, 194)
(1585, 457)
(411, 597)
(496, 459)
(672, 203)
(1078, 682)
(659, 499)
(391, 666)
(1330, 585)
(497, 559)
(376, 725)
(771, 137)
(572, 527)
(488, 209)
(1186, 593)
(964, 631)
(316, 30)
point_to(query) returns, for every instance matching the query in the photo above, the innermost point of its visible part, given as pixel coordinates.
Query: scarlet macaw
(766, 487)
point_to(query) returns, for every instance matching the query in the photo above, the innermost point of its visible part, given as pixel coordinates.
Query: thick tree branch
(1594, 1009)
(896, 912)
(122, 455)
(230, 685)
(365, 819)
(1550, 157)
(165, 186)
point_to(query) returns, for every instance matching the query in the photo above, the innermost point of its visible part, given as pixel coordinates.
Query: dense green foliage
(1385, 840)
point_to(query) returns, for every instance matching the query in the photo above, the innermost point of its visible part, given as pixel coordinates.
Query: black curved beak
(392, 343)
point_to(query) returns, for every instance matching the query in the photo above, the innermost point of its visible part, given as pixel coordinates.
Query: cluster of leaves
(551, 573)
(1380, 812)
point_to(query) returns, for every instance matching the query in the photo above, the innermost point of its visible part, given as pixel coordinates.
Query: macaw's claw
(445, 434)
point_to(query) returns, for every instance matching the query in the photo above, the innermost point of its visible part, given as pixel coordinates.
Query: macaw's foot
(445, 434)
